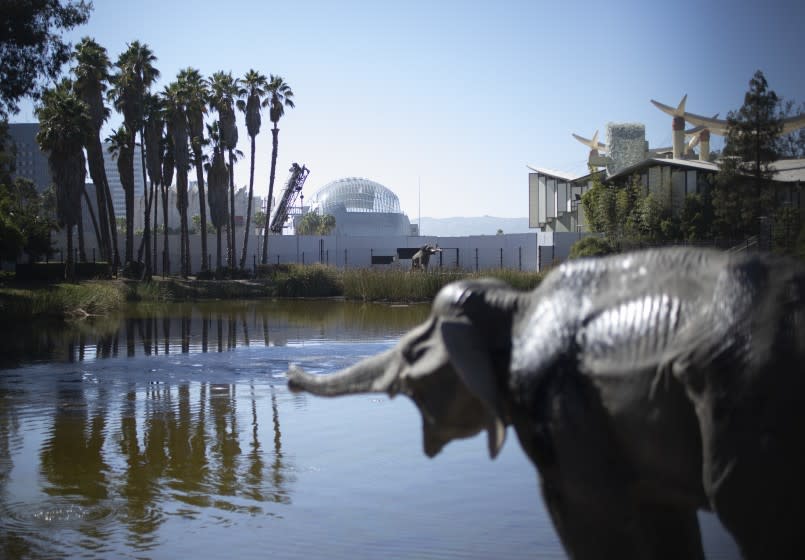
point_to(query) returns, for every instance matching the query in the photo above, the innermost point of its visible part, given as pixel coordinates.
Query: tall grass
(63, 300)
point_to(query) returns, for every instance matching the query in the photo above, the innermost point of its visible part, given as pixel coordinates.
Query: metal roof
(681, 163)
(554, 173)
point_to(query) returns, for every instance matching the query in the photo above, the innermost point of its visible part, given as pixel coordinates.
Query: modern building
(30, 162)
(113, 178)
(668, 174)
(361, 208)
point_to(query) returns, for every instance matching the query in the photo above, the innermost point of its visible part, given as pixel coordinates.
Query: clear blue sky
(461, 95)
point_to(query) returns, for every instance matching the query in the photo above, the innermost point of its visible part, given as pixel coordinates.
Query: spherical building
(361, 207)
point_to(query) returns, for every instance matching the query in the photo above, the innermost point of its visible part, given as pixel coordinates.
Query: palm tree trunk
(147, 225)
(166, 264)
(218, 257)
(69, 270)
(155, 198)
(92, 217)
(110, 208)
(248, 208)
(231, 258)
(274, 141)
(98, 175)
(202, 205)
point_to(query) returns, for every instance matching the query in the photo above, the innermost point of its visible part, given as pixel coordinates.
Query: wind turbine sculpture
(710, 125)
(596, 148)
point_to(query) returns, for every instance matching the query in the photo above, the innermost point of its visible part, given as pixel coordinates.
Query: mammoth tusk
(372, 375)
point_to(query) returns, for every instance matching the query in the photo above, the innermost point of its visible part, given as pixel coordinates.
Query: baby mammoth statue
(643, 386)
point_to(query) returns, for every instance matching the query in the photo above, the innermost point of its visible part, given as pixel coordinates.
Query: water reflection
(137, 454)
(146, 330)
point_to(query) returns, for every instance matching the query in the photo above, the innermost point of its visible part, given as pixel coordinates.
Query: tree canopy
(31, 50)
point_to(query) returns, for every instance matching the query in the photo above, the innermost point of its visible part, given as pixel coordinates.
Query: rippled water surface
(168, 433)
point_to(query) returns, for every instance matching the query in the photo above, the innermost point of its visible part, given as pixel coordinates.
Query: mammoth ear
(468, 353)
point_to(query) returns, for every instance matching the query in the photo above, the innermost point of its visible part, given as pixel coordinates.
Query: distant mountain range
(483, 225)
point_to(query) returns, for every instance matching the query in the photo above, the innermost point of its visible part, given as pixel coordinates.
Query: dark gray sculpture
(421, 258)
(643, 386)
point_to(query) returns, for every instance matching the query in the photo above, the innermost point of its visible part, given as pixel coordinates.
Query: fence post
(476, 259)
(520, 258)
(345, 258)
(303, 258)
(501, 258)
(458, 265)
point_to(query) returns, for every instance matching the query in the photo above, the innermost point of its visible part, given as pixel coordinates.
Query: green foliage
(696, 218)
(599, 206)
(62, 300)
(752, 145)
(590, 246)
(753, 130)
(313, 223)
(31, 50)
(736, 206)
(787, 227)
(394, 284)
(307, 281)
(25, 222)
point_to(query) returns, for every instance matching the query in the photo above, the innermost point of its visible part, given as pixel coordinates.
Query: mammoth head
(453, 366)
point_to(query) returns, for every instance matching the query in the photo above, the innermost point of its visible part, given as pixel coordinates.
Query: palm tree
(217, 180)
(281, 96)
(153, 150)
(196, 93)
(176, 118)
(64, 126)
(92, 75)
(254, 92)
(223, 90)
(136, 73)
(168, 165)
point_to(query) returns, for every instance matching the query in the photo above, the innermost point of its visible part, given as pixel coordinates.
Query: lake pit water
(168, 432)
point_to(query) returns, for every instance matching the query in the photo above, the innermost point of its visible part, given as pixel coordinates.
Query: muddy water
(167, 432)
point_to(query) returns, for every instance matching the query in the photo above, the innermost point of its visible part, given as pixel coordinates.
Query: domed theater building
(361, 207)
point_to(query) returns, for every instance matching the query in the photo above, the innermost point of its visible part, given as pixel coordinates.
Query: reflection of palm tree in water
(71, 457)
(254, 478)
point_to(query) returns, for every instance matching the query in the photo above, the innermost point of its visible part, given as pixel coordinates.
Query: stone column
(679, 136)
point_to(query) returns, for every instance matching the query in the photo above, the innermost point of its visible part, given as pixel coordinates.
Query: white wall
(518, 251)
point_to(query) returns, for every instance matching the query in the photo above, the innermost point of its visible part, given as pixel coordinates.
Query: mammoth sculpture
(421, 258)
(643, 387)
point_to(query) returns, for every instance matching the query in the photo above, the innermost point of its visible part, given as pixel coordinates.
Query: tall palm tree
(254, 92)
(217, 183)
(168, 165)
(64, 126)
(223, 90)
(176, 118)
(281, 97)
(136, 73)
(92, 75)
(154, 125)
(195, 93)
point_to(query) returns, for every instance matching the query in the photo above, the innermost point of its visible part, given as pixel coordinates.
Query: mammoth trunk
(372, 375)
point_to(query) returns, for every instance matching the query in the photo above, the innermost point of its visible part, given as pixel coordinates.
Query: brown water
(167, 432)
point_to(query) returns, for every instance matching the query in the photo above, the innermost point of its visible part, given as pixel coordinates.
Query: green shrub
(590, 246)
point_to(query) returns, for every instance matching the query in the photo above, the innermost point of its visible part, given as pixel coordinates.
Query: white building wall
(520, 251)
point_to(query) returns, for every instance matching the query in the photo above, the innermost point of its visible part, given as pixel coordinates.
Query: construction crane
(292, 190)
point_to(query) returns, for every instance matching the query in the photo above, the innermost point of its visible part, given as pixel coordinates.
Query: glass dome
(355, 194)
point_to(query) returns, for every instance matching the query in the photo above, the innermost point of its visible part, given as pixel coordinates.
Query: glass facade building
(355, 194)
(361, 207)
